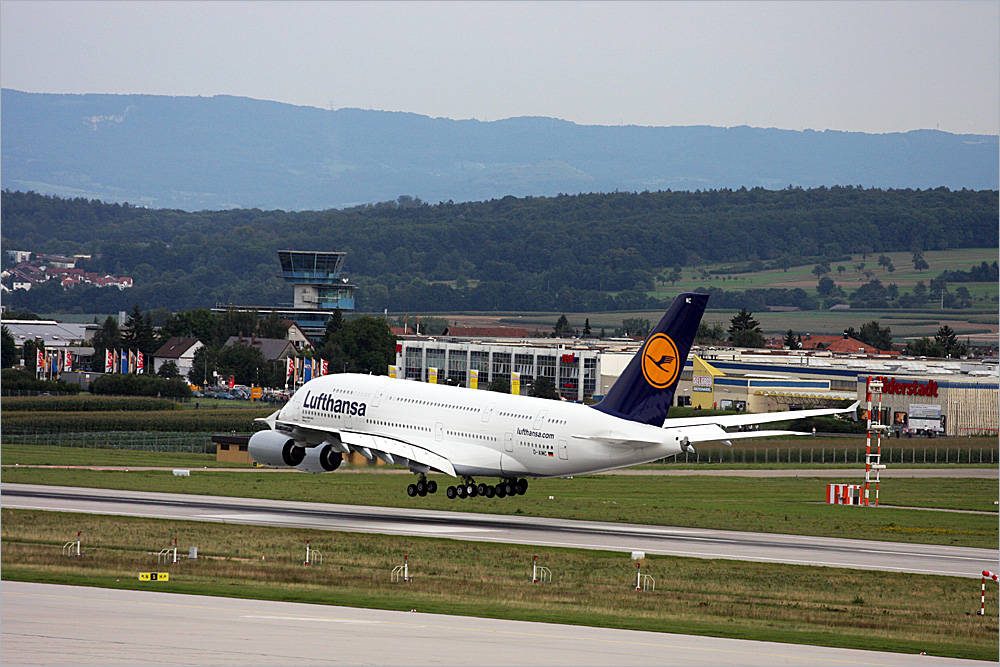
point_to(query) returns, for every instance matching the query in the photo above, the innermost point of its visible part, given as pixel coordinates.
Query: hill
(196, 153)
(572, 253)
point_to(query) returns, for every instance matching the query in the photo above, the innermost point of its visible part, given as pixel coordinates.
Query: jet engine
(271, 448)
(321, 458)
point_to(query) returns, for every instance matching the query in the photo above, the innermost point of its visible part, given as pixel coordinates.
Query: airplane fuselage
(480, 432)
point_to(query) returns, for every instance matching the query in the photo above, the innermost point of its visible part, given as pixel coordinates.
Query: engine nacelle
(271, 448)
(321, 458)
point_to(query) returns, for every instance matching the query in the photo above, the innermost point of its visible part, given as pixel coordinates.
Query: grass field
(787, 603)
(776, 505)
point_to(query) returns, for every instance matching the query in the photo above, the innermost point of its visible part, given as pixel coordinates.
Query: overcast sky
(857, 66)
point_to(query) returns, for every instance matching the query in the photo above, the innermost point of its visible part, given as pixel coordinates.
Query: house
(181, 351)
(273, 349)
(840, 344)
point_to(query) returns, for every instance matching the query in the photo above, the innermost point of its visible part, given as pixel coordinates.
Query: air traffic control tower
(319, 288)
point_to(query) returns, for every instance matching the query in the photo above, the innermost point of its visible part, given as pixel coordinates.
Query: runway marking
(796, 659)
(309, 618)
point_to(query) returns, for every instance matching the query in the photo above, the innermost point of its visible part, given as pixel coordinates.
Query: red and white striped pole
(868, 436)
(986, 575)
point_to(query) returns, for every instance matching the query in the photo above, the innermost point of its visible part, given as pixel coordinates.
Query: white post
(406, 568)
(307, 552)
(638, 578)
(534, 570)
(78, 552)
(175, 551)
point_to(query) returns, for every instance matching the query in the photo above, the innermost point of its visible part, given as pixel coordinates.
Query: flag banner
(131, 362)
(307, 370)
(392, 372)
(515, 384)
(324, 367)
(432, 375)
(39, 361)
(109, 361)
(290, 369)
(473, 379)
(140, 362)
(68, 362)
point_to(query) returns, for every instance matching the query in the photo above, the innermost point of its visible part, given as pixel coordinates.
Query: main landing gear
(422, 487)
(510, 486)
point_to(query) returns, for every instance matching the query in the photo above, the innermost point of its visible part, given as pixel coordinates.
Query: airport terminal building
(941, 396)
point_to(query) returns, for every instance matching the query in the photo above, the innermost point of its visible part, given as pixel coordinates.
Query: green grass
(33, 455)
(777, 505)
(768, 602)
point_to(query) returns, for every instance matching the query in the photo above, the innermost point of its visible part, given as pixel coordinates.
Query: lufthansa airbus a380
(468, 433)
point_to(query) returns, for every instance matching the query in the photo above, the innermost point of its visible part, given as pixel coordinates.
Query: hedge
(87, 404)
(118, 384)
(190, 421)
(17, 380)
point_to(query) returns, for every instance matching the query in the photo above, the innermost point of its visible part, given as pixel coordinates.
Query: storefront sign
(910, 388)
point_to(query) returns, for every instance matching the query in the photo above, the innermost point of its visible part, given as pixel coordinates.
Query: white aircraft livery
(468, 433)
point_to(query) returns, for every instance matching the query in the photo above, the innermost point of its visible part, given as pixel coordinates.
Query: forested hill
(566, 253)
(220, 152)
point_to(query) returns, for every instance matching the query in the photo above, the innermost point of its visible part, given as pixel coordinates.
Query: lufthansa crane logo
(660, 363)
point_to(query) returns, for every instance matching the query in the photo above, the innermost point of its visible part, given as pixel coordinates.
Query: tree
(107, 338)
(821, 269)
(675, 275)
(500, 384)
(367, 344)
(634, 326)
(203, 366)
(790, 341)
(826, 286)
(138, 334)
(169, 369)
(948, 342)
(708, 334)
(272, 326)
(244, 362)
(562, 328)
(543, 388)
(333, 325)
(586, 328)
(9, 356)
(884, 261)
(841, 268)
(875, 335)
(919, 263)
(745, 330)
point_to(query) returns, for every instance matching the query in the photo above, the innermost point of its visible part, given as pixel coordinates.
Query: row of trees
(580, 252)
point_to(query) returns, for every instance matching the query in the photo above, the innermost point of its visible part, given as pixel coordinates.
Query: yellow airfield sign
(154, 576)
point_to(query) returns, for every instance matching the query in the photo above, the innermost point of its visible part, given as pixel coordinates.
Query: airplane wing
(724, 421)
(390, 450)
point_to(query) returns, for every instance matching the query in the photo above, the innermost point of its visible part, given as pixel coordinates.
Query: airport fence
(895, 452)
(145, 441)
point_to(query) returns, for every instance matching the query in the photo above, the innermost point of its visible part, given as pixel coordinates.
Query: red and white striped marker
(986, 575)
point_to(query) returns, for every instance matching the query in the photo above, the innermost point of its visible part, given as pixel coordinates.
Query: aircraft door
(563, 451)
(540, 418)
(439, 431)
(488, 412)
(508, 442)
(378, 397)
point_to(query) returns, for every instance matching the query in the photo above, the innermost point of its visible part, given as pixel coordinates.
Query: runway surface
(658, 540)
(41, 626)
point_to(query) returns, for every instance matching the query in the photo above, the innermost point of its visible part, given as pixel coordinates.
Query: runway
(655, 540)
(41, 626)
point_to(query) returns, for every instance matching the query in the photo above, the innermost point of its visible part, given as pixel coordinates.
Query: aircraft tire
(460, 491)
(481, 490)
(522, 486)
(490, 491)
(432, 486)
(509, 489)
(421, 488)
(451, 492)
(411, 490)
(500, 491)
(472, 490)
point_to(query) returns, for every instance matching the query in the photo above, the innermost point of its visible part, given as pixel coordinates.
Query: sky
(854, 66)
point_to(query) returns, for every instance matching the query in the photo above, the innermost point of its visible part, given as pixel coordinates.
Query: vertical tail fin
(645, 390)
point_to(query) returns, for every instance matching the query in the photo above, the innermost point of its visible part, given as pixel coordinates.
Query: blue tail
(644, 391)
